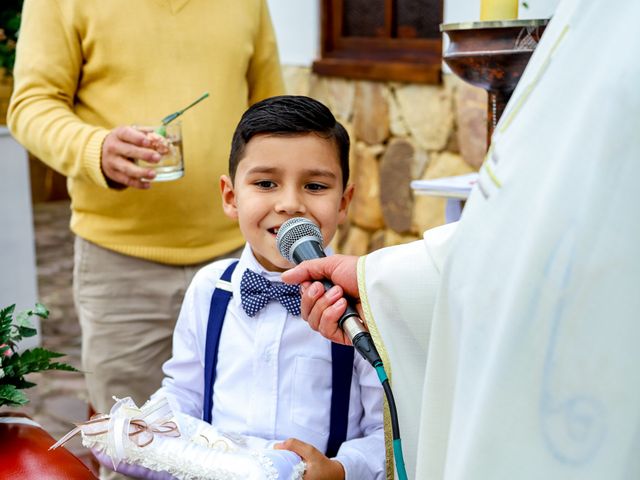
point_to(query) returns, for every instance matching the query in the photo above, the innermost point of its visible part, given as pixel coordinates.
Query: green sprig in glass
(161, 130)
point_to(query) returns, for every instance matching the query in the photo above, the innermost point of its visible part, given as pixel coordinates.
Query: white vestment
(527, 366)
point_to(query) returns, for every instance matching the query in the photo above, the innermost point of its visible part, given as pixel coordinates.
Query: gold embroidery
(377, 340)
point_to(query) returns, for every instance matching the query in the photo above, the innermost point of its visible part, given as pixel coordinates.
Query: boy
(273, 377)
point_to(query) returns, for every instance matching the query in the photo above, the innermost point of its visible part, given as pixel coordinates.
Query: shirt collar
(248, 261)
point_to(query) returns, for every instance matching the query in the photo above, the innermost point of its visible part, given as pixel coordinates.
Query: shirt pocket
(311, 399)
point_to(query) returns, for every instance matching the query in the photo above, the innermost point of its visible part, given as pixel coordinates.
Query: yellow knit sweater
(86, 66)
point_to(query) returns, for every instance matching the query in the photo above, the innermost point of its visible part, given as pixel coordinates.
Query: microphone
(300, 239)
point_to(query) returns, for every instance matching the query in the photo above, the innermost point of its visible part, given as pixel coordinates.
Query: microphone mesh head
(293, 230)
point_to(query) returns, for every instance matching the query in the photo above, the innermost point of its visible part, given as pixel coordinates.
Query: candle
(498, 9)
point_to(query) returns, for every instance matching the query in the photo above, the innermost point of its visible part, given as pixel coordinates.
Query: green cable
(397, 453)
(397, 443)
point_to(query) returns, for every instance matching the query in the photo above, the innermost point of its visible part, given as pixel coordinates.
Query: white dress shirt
(273, 376)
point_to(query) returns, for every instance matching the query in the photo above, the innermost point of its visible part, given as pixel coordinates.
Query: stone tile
(296, 79)
(341, 96)
(357, 242)
(366, 209)
(371, 112)
(396, 173)
(428, 113)
(471, 120)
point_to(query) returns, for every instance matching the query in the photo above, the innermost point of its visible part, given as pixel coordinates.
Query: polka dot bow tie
(256, 291)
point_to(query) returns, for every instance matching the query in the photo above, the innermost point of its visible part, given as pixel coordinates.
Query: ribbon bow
(151, 420)
(141, 433)
(256, 291)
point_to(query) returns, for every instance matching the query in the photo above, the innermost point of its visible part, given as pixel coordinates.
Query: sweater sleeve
(47, 73)
(264, 74)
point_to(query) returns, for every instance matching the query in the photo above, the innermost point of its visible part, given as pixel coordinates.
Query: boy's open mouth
(273, 230)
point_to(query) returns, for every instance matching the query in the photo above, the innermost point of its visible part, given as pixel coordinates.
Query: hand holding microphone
(300, 239)
(321, 311)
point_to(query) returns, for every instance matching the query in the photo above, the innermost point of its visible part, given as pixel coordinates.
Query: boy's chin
(275, 264)
(283, 265)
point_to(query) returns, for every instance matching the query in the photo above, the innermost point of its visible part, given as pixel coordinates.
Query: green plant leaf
(62, 366)
(10, 395)
(18, 364)
(22, 318)
(41, 311)
(21, 383)
(11, 368)
(7, 311)
(39, 359)
(13, 24)
(27, 332)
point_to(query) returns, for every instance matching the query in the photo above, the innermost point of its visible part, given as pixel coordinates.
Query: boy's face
(281, 177)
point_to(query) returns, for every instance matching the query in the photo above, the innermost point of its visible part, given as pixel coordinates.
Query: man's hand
(119, 149)
(323, 310)
(319, 467)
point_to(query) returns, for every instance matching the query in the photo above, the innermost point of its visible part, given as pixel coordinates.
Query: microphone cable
(363, 343)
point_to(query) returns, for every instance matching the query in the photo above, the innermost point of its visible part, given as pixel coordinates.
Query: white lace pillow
(150, 441)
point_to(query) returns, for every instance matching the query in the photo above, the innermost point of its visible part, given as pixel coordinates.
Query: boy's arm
(364, 457)
(318, 466)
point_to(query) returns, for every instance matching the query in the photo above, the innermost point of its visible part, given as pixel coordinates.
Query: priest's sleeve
(398, 288)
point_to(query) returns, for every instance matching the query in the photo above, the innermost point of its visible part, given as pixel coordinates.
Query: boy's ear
(345, 201)
(228, 194)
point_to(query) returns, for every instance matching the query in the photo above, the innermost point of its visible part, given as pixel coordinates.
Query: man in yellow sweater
(86, 69)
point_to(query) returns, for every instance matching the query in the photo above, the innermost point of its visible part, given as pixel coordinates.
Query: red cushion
(24, 454)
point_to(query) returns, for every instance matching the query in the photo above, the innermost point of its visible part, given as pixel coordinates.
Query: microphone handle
(350, 328)
(349, 321)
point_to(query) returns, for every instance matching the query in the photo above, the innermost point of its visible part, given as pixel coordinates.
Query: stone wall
(399, 132)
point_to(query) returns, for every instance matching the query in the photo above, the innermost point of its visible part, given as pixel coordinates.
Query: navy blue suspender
(219, 302)
(341, 367)
(341, 371)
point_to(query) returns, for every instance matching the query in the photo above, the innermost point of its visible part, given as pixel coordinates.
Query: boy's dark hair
(289, 115)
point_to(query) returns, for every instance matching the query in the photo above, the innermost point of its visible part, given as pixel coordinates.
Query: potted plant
(14, 365)
(23, 443)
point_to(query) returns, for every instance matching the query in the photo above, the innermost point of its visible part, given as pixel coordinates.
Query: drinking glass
(168, 142)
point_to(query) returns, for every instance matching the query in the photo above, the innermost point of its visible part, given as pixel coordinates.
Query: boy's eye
(315, 187)
(265, 184)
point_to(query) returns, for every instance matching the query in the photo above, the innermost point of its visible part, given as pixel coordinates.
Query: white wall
(18, 282)
(297, 23)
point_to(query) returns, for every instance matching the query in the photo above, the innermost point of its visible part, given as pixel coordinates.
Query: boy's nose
(290, 202)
